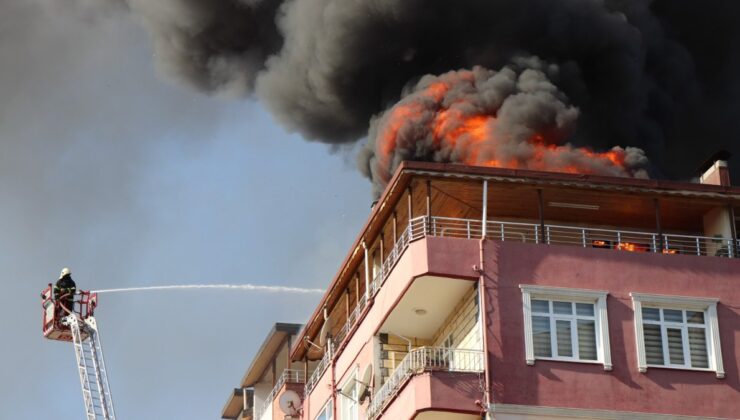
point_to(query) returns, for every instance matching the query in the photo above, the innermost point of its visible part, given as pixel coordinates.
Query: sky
(131, 180)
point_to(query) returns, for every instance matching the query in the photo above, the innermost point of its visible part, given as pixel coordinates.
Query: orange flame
(472, 139)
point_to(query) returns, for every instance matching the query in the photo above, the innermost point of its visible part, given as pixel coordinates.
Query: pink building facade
(507, 294)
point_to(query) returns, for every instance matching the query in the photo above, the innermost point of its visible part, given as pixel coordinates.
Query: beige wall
(462, 324)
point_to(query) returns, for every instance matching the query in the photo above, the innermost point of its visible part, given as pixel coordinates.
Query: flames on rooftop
(513, 118)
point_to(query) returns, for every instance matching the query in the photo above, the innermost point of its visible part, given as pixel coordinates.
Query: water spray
(255, 287)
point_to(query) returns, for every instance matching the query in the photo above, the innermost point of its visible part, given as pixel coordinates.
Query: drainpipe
(484, 222)
(487, 398)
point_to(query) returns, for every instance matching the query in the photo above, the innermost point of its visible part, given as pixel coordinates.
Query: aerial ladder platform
(76, 324)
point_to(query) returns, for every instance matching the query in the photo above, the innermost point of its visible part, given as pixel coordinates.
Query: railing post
(541, 205)
(733, 229)
(484, 221)
(468, 225)
(698, 246)
(655, 249)
(583, 237)
(536, 234)
(663, 244)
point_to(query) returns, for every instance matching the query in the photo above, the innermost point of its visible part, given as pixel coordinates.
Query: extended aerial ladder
(77, 325)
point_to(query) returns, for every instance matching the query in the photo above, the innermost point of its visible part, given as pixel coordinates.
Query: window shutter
(698, 348)
(564, 341)
(653, 344)
(587, 340)
(675, 345)
(541, 336)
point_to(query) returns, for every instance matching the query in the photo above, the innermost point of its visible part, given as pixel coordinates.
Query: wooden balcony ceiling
(572, 206)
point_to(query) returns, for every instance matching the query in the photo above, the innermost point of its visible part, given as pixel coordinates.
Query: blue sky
(133, 181)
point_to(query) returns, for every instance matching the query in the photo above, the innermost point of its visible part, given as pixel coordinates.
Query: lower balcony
(290, 379)
(432, 380)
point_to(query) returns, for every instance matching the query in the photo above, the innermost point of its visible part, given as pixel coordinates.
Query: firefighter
(64, 290)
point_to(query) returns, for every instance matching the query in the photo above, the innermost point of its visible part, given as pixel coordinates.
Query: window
(349, 404)
(677, 332)
(565, 324)
(327, 412)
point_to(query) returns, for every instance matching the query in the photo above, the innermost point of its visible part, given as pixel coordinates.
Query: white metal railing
(317, 373)
(420, 360)
(623, 240)
(293, 376)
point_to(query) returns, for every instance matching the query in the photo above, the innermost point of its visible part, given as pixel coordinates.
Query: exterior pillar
(429, 207)
(382, 249)
(484, 217)
(346, 301)
(288, 363)
(395, 227)
(305, 369)
(357, 288)
(367, 271)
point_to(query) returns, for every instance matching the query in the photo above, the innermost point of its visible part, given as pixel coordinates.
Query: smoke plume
(514, 118)
(655, 76)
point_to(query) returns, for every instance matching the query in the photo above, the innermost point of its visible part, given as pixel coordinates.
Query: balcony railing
(294, 376)
(420, 360)
(623, 240)
(316, 374)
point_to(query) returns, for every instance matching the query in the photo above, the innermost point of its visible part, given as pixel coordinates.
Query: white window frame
(601, 320)
(349, 396)
(327, 411)
(706, 305)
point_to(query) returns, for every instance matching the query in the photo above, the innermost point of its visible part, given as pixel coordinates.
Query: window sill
(688, 369)
(556, 359)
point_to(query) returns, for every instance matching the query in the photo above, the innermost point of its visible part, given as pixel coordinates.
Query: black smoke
(658, 75)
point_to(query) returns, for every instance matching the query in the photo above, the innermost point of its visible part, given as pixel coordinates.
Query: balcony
(586, 237)
(424, 359)
(289, 376)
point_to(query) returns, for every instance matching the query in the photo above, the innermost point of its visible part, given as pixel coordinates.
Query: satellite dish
(290, 403)
(363, 389)
(324, 333)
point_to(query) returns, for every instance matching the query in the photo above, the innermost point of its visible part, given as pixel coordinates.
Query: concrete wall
(577, 385)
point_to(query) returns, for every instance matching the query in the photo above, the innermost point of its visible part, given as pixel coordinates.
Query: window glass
(698, 348)
(585, 309)
(651, 314)
(541, 336)
(653, 344)
(694, 317)
(587, 339)
(540, 306)
(672, 315)
(326, 413)
(675, 337)
(562, 308)
(565, 343)
(563, 333)
(675, 346)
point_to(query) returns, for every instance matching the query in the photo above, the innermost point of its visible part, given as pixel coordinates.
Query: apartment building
(513, 294)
